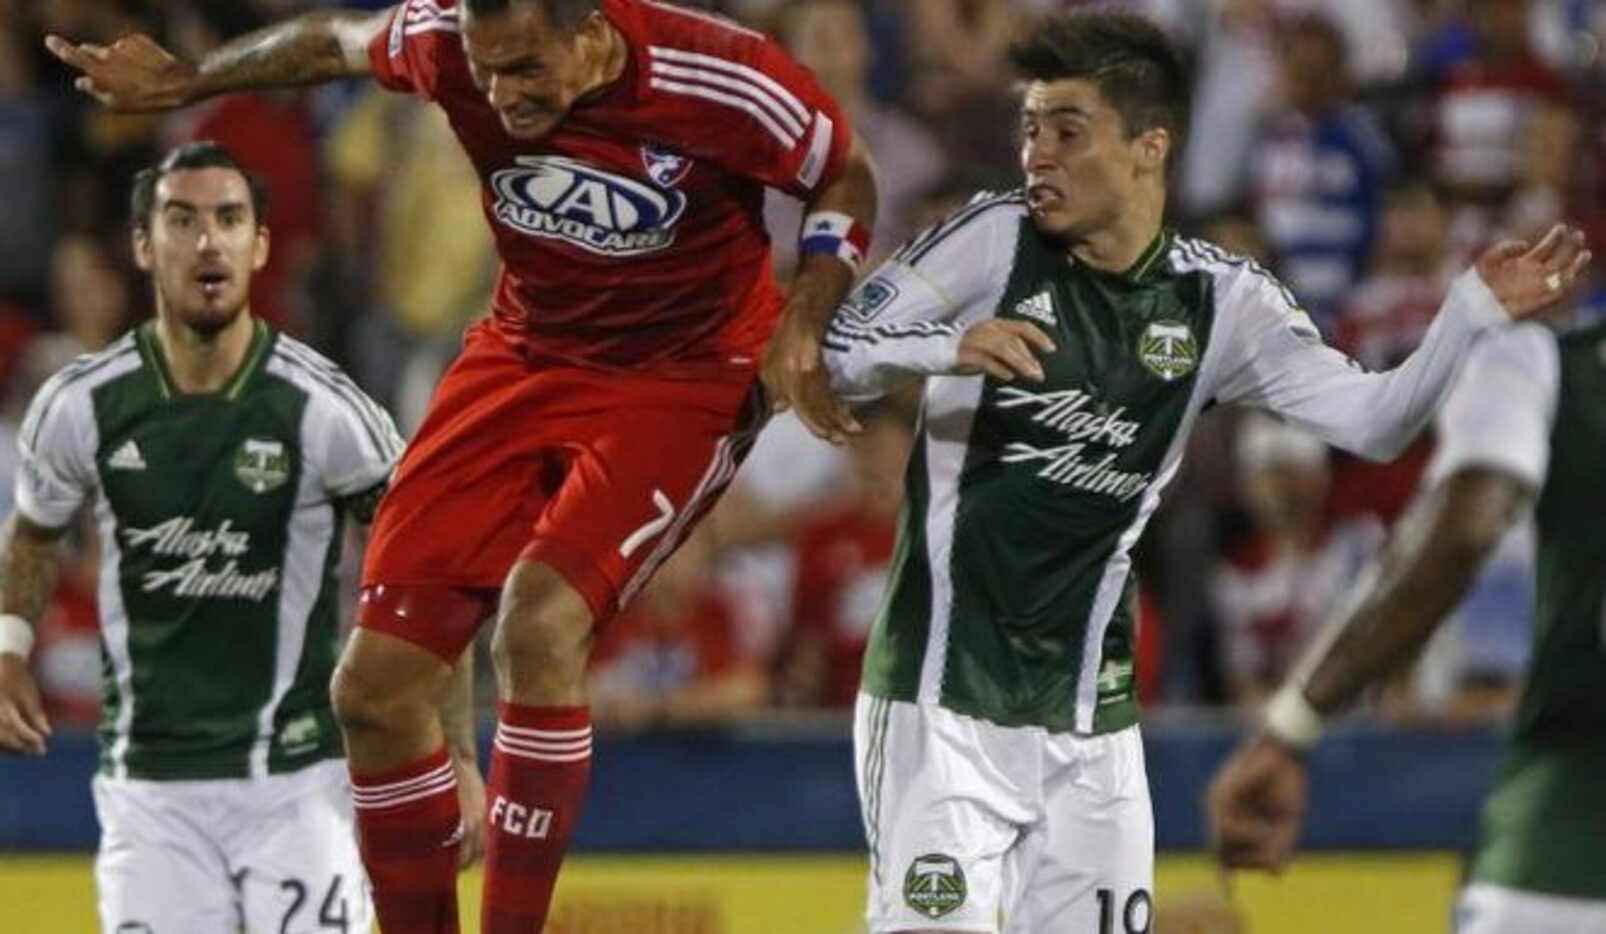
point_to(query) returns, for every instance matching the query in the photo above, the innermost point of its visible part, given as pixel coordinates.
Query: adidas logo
(1039, 307)
(126, 457)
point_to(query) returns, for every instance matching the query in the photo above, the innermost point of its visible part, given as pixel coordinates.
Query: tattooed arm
(136, 74)
(28, 571)
(1494, 449)
(1424, 573)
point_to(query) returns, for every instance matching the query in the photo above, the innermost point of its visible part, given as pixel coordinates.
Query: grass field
(1324, 894)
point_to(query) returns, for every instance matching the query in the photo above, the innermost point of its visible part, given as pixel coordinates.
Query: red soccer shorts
(598, 474)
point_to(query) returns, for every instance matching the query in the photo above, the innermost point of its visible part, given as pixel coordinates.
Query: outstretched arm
(28, 572)
(1284, 366)
(136, 74)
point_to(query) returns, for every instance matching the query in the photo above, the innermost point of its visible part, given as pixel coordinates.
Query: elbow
(1381, 447)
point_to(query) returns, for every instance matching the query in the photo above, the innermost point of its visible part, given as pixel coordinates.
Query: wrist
(1290, 719)
(16, 635)
(837, 235)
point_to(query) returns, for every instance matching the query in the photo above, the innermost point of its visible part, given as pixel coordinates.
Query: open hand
(1003, 349)
(24, 727)
(471, 801)
(795, 375)
(1530, 279)
(131, 74)
(1257, 806)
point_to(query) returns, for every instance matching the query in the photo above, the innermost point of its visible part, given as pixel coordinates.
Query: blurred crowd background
(1364, 150)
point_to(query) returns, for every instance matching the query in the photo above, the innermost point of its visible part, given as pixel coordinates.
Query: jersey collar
(151, 350)
(1148, 264)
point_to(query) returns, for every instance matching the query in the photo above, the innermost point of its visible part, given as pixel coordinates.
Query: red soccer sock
(539, 766)
(409, 825)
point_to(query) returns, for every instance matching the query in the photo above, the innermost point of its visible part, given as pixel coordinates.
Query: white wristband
(1291, 719)
(16, 635)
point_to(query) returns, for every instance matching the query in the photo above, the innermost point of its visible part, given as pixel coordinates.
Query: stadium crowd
(1361, 149)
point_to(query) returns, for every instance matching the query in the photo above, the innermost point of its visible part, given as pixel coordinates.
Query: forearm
(28, 569)
(868, 362)
(1423, 575)
(457, 709)
(309, 49)
(823, 281)
(1374, 415)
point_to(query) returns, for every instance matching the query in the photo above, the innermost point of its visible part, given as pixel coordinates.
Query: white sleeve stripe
(745, 88)
(740, 103)
(808, 175)
(435, 26)
(55, 388)
(381, 431)
(752, 75)
(709, 18)
(420, 10)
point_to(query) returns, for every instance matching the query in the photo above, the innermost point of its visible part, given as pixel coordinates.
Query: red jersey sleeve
(757, 112)
(405, 55)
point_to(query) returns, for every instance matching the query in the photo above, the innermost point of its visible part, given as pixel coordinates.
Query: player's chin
(1055, 222)
(209, 318)
(532, 127)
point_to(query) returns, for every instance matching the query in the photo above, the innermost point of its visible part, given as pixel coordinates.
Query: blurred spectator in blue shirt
(1318, 169)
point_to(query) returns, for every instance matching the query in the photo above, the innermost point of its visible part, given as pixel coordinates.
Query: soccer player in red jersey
(624, 146)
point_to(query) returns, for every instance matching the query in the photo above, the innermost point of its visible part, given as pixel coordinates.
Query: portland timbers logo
(934, 885)
(1168, 350)
(261, 465)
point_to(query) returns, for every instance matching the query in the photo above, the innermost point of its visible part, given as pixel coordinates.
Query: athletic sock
(539, 766)
(409, 826)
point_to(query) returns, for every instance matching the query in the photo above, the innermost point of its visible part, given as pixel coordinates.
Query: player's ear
(1153, 146)
(259, 255)
(141, 238)
(590, 38)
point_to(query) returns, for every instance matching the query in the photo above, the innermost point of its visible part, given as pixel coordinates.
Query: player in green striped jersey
(1524, 429)
(220, 461)
(1071, 342)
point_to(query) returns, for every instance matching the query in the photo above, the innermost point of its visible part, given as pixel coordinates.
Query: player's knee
(545, 623)
(362, 705)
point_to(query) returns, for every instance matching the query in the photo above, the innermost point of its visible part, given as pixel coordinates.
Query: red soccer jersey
(633, 233)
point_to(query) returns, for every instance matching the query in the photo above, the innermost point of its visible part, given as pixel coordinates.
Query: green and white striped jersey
(1011, 590)
(1534, 407)
(219, 519)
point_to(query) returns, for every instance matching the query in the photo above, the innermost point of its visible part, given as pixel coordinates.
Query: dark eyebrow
(1059, 110)
(179, 204)
(514, 64)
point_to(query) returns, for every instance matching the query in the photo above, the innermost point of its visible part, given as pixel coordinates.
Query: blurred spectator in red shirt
(1381, 324)
(672, 657)
(1275, 590)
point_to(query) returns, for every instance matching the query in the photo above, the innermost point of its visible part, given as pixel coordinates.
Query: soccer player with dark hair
(624, 147)
(1070, 341)
(221, 461)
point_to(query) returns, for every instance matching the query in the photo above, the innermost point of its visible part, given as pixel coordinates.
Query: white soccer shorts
(983, 828)
(1495, 909)
(259, 855)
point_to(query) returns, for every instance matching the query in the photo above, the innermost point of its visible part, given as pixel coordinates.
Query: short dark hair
(202, 154)
(1127, 57)
(562, 14)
